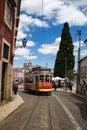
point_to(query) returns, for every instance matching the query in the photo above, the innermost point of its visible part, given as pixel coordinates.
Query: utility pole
(65, 68)
(79, 34)
(78, 69)
(86, 45)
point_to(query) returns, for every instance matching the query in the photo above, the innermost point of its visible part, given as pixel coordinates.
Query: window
(50, 78)
(36, 78)
(29, 79)
(8, 14)
(46, 78)
(41, 78)
(5, 51)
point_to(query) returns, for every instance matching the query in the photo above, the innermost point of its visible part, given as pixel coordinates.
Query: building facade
(28, 67)
(82, 87)
(18, 74)
(9, 19)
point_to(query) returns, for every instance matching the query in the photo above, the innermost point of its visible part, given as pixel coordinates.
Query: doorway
(4, 67)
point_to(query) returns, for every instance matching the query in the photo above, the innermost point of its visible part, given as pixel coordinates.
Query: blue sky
(42, 27)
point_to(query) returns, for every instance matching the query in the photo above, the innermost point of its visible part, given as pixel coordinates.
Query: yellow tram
(38, 82)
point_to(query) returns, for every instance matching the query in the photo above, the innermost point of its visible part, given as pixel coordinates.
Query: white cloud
(83, 50)
(30, 57)
(50, 48)
(30, 35)
(60, 10)
(76, 3)
(30, 43)
(22, 52)
(21, 34)
(31, 7)
(27, 22)
(72, 15)
(16, 58)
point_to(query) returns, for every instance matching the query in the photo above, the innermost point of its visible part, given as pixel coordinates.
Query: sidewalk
(73, 92)
(9, 107)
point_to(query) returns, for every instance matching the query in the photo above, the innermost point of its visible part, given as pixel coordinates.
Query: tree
(64, 62)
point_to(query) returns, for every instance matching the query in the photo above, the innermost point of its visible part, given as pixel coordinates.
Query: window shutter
(5, 51)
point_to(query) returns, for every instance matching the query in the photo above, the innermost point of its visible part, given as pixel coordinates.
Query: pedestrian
(53, 84)
(56, 84)
(59, 84)
(15, 87)
(70, 86)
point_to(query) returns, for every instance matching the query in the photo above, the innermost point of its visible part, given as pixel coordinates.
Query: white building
(83, 76)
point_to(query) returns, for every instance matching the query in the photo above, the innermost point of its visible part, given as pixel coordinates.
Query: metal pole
(86, 45)
(78, 69)
(65, 67)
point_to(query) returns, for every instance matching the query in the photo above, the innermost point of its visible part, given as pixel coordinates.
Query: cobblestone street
(60, 111)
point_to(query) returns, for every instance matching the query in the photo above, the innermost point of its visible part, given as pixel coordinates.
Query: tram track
(45, 121)
(50, 116)
(30, 115)
(53, 121)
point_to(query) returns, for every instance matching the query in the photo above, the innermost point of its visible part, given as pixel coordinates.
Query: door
(3, 80)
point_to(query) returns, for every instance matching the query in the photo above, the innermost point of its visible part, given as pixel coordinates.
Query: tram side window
(41, 78)
(36, 78)
(29, 79)
(26, 80)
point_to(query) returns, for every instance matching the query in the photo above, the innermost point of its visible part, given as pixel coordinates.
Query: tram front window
(46, 78)
(50, 78)
(41, 78)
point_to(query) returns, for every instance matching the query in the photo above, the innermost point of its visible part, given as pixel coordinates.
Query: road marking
(75, 123)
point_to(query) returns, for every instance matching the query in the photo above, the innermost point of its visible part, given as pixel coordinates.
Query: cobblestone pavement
(34, 114)
(61, 111)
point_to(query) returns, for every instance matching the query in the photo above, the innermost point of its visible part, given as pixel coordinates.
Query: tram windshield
(48, 78)
(45, 78)
(42, 78)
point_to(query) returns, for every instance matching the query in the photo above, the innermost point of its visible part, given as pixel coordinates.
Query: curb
(76, 94)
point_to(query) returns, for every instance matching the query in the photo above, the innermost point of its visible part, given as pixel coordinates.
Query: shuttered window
(8, 14)
(5, 51)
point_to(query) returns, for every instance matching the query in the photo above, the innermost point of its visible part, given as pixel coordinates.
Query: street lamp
(78, 69)
(24, 43)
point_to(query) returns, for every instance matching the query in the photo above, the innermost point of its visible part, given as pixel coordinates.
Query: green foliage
(65, 59)
(70, 74)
